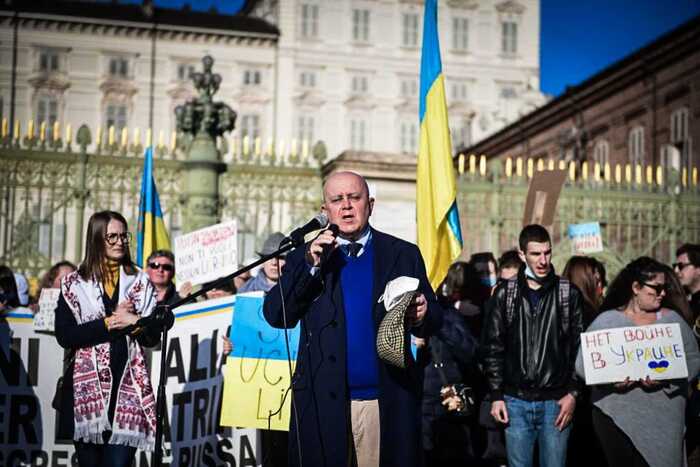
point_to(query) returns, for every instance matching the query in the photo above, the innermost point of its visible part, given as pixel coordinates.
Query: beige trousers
(364, 417)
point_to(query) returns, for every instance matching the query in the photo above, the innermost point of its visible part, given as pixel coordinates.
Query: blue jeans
(529, 422)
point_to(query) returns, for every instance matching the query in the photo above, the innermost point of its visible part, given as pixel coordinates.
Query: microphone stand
(166, 322)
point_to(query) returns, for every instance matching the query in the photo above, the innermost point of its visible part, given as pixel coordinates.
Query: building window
(252, 77)
(305, 128)
(462, 135)
(48, 61)
(409, 137)
(184, 72)
(250, 127)
(509, 37)
(679, 126)
(116, 116)
(458, 92)
(47, 112)
(410, 30)
(307, 79)
(409, 88)
(360, 85)
(601, 153)
(460, 34)
(309, 21)
(358, 134)
(119, 67)
(360, 25)
(508, 92)
(635, 145)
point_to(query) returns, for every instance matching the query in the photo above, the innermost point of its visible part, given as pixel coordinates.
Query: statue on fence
(202, 114)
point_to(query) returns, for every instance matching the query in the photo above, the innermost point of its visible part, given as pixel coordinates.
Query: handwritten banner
(206, 254)
(655, 350)
(256, 393)
(586, 238)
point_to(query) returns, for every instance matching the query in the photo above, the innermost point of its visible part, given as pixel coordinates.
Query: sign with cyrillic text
(655, 350)
(206, 254)
(586, 238)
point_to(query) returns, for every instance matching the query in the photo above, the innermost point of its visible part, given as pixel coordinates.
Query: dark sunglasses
(112, 238)
(164, 266)
(681, 266)
(658, 288)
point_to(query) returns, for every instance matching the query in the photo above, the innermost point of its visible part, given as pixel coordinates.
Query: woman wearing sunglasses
(107, 404)
(641, 423)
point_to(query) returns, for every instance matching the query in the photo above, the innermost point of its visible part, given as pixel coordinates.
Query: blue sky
(578, 38)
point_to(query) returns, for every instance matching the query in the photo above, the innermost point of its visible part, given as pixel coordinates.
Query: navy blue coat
(321, 395)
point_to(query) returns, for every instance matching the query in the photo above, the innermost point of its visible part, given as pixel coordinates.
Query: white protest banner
(655, 350)
(31, 362)
(44, 318)
(585, 238)
(206, 254)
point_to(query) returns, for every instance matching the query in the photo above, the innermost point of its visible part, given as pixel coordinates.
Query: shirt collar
(363, 240)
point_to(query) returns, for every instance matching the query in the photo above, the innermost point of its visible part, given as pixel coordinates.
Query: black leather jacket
(532, 357)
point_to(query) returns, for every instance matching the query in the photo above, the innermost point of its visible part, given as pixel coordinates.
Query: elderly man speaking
(353, 408)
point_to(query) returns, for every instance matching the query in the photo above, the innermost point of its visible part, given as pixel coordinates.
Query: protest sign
(31, 362)
(542, 196)
(655, 350)
(256, 394)
(585, 238)
(45, 317)
(206, 254)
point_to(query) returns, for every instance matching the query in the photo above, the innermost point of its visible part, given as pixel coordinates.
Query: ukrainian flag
(151, 234)
(439, 233)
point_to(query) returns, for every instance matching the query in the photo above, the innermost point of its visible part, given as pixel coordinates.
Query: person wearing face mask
(528, 354)
(642, 294)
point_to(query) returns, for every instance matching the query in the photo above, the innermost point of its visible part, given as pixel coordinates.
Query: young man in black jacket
(529, 346)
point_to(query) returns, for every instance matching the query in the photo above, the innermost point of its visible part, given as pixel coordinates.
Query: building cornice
(670, 48)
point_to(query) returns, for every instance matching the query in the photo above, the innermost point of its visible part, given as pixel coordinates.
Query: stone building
(643, 111)
(345, 72)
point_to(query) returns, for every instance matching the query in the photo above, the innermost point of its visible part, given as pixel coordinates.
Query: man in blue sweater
(350, 407)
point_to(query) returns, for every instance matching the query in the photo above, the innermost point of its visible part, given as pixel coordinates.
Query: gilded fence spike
(509, 167)
(173, 142)
(257, 144)
(69, 134)
(124, 138)
(562, 165)
(572, 171)
(30, 129)
(137, 136)
(98, 136)
(281, 150)
(540, 165)
(519, 166)
(270, 148)
(684, 177)
(628, 173)
(659, 175)
(550, 164)
(596, 171)
(42, 132)
(530, 168)
(161, 139)
(149, 137)
(5, 127)
(607, 172)
(638, 174)
(110, 139)
(472, 164)
(460, 164)
(695, 176)
(650, 175)
(56, 133)
(584, 171)
(618, 174)
(246, 146)
(305, 150)
(482, 165)
(17, 130)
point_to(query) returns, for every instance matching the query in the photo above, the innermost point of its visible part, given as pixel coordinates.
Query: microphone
(318, 222)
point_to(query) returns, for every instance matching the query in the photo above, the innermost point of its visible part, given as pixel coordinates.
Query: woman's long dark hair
(9, 287)
(93, 265)
(581, 271)
(643, 270)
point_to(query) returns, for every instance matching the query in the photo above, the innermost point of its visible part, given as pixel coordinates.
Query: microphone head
(322, 220)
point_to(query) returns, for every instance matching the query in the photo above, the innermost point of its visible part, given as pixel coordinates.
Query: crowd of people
(498, 375)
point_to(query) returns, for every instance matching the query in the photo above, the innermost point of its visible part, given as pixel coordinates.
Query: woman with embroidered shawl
(107, 402)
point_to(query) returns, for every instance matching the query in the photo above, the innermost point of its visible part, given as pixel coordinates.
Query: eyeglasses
(164, 266)
(681, 266)
(112, 238)
(658, 288)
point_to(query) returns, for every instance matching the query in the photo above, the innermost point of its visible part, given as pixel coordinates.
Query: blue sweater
(357, 279)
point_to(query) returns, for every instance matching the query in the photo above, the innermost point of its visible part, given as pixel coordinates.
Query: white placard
(45, 317)
(206, 254)
(655, 350)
